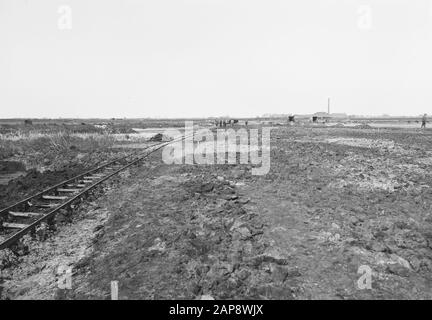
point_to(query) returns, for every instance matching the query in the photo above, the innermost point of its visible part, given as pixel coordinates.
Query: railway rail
(26, 215)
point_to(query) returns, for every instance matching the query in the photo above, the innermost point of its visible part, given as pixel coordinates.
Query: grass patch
(54, 142)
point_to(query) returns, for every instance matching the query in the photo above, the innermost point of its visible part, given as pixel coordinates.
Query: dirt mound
(11, 166)
(34, 182)
(159, 137)
(363, 126)
(156, 138)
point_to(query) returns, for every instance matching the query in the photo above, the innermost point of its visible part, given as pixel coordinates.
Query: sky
(199, 58)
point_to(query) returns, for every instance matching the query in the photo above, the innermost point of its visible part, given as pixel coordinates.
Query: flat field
(337, 203)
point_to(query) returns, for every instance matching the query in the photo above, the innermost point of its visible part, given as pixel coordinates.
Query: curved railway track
(26, 215)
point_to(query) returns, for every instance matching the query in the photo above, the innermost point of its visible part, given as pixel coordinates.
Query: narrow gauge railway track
(26, 215)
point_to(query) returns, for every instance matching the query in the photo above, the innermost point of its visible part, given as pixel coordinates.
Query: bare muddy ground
(334, 200)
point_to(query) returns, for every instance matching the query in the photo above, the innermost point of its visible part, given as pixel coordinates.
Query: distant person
(424, 121)
(291, 120)
(246, 122)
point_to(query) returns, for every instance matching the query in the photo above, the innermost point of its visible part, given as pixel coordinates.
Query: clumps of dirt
(232, 259)
(7, 259)
(187, 234)
(380, 144)
(406, 242)
(10, 170)
(365, 201)
(48, 170)
(33, 182)
(39, 273)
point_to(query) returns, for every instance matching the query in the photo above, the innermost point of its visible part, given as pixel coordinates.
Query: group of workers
(224, 123)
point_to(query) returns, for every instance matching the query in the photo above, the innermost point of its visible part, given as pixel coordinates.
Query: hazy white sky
(183, 58)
